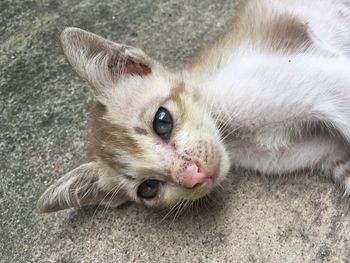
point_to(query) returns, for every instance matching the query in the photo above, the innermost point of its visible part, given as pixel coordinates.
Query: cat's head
(152, 138)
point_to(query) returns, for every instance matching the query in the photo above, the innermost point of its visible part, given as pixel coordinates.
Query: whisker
(114, 189)
(170, 211)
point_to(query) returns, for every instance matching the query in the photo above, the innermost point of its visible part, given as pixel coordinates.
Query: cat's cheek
(168, 160)
(169, 194)
(224, 166)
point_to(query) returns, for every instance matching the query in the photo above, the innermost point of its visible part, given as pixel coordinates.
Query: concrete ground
(44, 109)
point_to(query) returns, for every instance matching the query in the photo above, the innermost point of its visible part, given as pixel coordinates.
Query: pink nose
(191, 176)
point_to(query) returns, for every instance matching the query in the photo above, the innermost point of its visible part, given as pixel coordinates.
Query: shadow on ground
(44, 110)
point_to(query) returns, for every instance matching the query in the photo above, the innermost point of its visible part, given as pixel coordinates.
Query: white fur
(269, 94)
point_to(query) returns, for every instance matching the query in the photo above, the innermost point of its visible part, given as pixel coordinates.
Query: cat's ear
(80, 187)
(102, 62)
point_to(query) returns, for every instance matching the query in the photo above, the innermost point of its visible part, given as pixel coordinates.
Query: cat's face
(159, 138)
(152, 137)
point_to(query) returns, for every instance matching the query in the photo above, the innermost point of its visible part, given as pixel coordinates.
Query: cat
(272, 95)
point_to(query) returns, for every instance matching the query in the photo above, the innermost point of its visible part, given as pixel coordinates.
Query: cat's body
(284, 86)
(272, 94)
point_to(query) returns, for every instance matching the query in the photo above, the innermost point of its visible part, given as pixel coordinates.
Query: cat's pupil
(148, 189)
(163, 123)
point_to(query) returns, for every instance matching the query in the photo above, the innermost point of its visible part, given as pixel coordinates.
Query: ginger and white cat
(272, 95)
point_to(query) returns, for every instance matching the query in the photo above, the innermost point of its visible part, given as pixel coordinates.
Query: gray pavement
(44, 109)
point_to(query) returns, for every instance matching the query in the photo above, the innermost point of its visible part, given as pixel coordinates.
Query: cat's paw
(341, 175)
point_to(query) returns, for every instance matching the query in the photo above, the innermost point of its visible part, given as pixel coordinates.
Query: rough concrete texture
(44, 109)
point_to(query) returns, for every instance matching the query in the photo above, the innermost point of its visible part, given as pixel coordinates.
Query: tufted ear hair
(80, 187)
(102, 62)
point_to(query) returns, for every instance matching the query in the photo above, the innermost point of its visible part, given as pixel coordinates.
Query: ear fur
(102, 62)
(80, 187)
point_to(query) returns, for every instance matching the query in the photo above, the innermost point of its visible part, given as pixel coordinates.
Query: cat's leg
(330, 156)
(322, 153)
(339, 171)
(331, 30)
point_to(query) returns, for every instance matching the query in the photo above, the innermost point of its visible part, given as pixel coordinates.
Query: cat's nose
(192, 176)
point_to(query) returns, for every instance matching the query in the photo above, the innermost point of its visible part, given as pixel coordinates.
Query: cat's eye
(148, 189)
(163, 123)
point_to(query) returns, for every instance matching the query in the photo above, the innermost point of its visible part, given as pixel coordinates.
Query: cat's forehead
(139, 89)
(140, 96)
